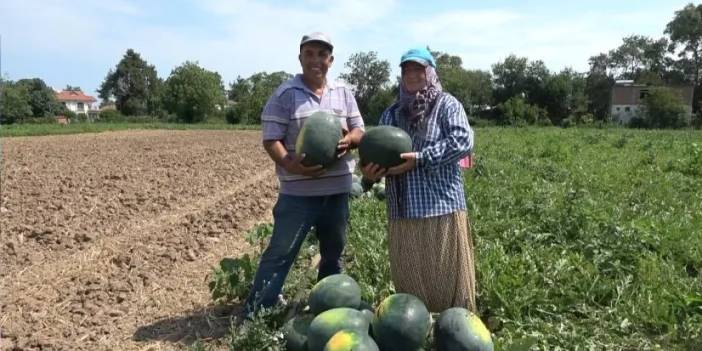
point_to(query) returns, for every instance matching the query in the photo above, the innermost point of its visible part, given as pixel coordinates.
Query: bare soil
(106, 240)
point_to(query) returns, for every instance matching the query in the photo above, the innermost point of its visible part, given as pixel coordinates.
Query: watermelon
(345, 340)
(318, 139)
(356, 189)
(383, 146)
(337, 290)
(327, 323)
(401, 323)
(295, 332)
(458, 329)
(364, 306)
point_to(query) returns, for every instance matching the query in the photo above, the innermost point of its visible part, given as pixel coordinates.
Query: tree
(72, 88)
(564, 96)
(640, 57)
(473, 88)
(598, 85)
(379, 102)
(685, 30)
(42, 99)
(517, 77)
(250, 95)
(367, 75)
(193, 93)
(15, 103)
(509, 77)
(663, 108)
(134, 85)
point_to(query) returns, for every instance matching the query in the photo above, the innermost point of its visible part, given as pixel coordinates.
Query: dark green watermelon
(328, 323)
(383, 145)
(337, 290)
(401, 323)
(346, 340)
(295, 332)
(458, 329)
(318, 139)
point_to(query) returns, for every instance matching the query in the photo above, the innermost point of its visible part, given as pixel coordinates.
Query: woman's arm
(456, 145)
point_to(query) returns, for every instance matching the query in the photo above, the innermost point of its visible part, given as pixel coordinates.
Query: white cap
(318, 37)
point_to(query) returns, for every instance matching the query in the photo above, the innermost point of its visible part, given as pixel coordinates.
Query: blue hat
(419, 55)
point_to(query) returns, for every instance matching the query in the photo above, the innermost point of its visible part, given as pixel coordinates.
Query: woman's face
(414, 76)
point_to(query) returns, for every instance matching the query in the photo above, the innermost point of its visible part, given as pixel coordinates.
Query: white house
(76, 101)
(627, 99)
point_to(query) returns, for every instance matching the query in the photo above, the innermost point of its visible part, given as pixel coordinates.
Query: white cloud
(241, 37)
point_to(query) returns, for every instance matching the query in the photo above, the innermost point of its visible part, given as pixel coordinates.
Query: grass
(17, 130)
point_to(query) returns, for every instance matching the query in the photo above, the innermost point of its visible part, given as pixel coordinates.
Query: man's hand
(373, 172)
(294, 165)
(410, 162)
(344, 144)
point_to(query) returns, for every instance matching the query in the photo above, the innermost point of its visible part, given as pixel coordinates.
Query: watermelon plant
(584, 238)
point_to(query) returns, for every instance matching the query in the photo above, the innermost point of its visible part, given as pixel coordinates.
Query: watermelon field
(586, 239)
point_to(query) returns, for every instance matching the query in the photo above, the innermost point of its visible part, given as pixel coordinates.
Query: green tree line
(515, 91)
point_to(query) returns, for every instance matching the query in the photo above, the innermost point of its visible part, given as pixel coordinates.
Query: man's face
(315, 59)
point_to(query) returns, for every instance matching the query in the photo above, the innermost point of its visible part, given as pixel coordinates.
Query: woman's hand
(409, 164)
(373, 172)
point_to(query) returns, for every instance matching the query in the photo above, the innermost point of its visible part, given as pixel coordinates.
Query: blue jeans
(293, 216)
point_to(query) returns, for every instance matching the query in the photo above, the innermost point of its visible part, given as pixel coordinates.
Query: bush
(40, 120)
(637, 122)
(663, 108)
(111, 116)
(516, 111)
(231, 116)
(697, 120)
(567, 122)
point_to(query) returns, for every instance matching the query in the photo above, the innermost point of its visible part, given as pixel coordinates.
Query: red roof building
(76, 101)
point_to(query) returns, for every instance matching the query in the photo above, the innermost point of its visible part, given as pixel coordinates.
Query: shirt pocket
(342, 115)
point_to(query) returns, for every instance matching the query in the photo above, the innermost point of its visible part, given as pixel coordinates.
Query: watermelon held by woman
(383, 145)
(458, 329)
(318, 139)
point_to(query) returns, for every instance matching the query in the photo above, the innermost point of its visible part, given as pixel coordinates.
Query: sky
(76, 42)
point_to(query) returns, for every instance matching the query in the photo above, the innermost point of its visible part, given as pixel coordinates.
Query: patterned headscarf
(418, 105)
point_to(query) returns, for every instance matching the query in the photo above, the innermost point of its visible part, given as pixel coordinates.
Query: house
(627, 99)
(76, 101)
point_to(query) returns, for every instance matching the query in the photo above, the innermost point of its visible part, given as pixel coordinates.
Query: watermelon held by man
(318, 139)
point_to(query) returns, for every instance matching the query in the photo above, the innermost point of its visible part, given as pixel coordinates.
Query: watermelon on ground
(295, 332)
(401, 323)
(458, 329)
(346, 340)
(328, 323)
(337, 290)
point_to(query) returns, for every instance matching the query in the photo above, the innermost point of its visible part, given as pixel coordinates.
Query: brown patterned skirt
(432, 258)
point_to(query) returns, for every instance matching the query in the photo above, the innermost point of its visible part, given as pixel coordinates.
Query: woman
(431, 250)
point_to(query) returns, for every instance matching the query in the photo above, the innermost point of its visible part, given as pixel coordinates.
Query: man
(309, 196)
